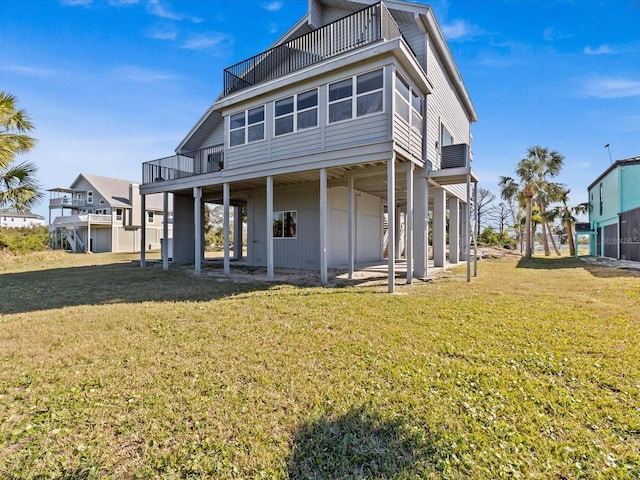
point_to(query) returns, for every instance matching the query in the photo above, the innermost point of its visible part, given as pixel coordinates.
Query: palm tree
(18, 186)
(532, 183)
(567, 216)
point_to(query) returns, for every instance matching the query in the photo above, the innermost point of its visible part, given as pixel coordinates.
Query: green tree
(532, 184)
(567, 215)
(19, 188)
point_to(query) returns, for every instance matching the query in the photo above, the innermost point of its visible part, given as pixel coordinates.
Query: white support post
(143, 232)
(439, 227)
(237, 233)
(323, 227)
(409, 226)
(269, 219)
(426, 229)
(454, 230)
(225, 201)
(391, 221)
(87, 247)
(475, 229)
(467, 227)
(197, 225)
(165, 231)
(352, 227)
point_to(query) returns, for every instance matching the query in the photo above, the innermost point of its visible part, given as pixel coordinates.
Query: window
(150, 217)
(89, 196)
(601, 200)
(246, 127)
(368, 98)
(102, 202)
(409, 103)
(285, 224)
(119, 214)
(445, 136)
(295, 113)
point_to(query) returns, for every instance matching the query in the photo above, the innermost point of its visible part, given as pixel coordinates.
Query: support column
(454, 230)
(197, 228)
(270, 274)
(439, 227)
(391, 221)
(475, 229)
(352, 227)
(421, 221)
(237, 233)
(225, 201)
(143, 232)
(323, 227)
(409, 226)
(87, 247)
(467, 226)
(165, 230)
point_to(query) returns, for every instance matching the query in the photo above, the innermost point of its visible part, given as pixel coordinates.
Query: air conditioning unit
(455, 156)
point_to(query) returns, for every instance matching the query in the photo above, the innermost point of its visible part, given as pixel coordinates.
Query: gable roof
(618, 163)
(15, 213)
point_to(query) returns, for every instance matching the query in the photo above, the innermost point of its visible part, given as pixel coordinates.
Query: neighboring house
(614, 211)
(14, 219)
(353, 128)
(100, 214)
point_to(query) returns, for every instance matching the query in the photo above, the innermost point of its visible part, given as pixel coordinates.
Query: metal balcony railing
(362, 28)
(198, 162)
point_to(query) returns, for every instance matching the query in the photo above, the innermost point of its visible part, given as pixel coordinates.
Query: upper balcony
(198, 162)
(360, 29)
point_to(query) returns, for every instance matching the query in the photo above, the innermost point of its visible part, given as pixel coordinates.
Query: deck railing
(205, 160)
(82, 220)
(362, 28)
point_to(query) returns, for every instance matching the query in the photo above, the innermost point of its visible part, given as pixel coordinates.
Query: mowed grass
(532, 370)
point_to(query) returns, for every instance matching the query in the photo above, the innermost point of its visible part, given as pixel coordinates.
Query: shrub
(24, 240)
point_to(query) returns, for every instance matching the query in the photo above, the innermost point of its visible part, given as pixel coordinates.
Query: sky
(110, 84)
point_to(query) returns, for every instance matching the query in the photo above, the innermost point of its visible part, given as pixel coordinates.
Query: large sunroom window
(297, 112)
(409, 103)
(345, 104)
(246, 127)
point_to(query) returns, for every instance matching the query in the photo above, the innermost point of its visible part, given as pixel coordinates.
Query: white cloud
(74, 3)
(166, 33)
(611, 88)
(160, 10)
(28, 71)
(274, 6)
(601, 50)
(206, 40)
(121, 3)
(142, 75)
(551, 34)
(460, 29)
(273, 28)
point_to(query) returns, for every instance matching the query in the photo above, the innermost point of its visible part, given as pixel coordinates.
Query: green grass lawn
(532, 370)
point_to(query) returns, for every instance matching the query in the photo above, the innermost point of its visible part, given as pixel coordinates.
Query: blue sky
(110, 84)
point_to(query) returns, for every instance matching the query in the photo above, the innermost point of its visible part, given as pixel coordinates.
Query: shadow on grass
(596, 269)
(359, 444)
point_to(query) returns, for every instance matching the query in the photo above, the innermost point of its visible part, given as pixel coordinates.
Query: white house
(14, 219)
(355, 124)
(101, 214)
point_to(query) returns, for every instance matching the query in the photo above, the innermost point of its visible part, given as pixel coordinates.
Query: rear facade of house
(614, 211)
(341, 144)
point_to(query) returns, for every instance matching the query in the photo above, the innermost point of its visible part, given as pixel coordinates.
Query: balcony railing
(77, 220)
(205, 160)
(362, 28)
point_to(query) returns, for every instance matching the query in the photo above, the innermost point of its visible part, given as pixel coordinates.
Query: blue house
(614, 211)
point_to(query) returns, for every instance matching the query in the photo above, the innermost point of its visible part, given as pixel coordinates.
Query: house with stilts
(354, 127)
(103, 214)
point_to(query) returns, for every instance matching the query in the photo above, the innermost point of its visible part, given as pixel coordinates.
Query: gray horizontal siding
(363, 130)
(306, 141)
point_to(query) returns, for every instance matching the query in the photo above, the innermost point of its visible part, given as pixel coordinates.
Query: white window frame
(119, 216)
(295, 112)
(443, 129)
(355, 96)
(411, 108)
(245, 127)
(150, 216)
(291, 213)
(90, 197)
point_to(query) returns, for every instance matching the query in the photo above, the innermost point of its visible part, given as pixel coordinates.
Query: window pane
(371, 103)
(237, 120)
(284, 125)
(370, 81)
(416, 121)
(308, 119)
(402, 107)
(340, 111)
(340, 90)
(284, 106)
(236, 137)
(416, 102)
(256, 132)
(402, 87)
(308, 99)
(290, 224)
(277, 225)
(256, 115)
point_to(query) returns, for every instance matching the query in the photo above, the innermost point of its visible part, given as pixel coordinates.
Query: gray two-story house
(352, 129)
